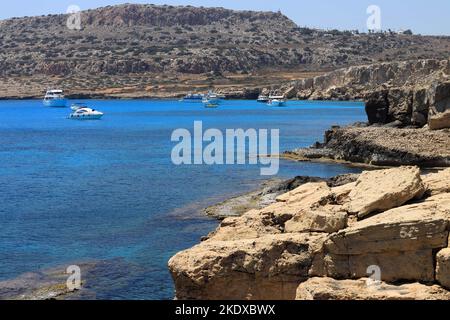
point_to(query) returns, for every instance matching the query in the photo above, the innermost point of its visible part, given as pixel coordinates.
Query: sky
(422, 16)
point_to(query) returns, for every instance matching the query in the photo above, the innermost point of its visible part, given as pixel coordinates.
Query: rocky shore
(267, 194)
(408, 112)
(322, 242)
(383, 236)
(380, 146)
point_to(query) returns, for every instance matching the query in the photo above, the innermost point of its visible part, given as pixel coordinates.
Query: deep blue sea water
(107, 190)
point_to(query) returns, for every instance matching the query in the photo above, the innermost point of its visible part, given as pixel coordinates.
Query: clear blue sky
(422, 16)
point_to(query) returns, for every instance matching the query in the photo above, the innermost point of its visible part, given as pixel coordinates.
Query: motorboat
(85, 113)
(212, 97)
(277, 102)
(76, 106)
(193, 97)
(210, 103)
(263, 98)
(55, 99)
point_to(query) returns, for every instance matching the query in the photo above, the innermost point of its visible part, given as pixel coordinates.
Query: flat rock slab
(438, 182)
(382, 190)
(266, 268)
(413, 227)
(366, 289)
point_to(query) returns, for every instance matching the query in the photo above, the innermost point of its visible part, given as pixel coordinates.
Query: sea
(107, 194)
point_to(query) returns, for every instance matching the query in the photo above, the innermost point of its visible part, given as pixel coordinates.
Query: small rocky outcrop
(367, 197)
(381, 146)
(364, 289)
(310, 240)
(443, 268)
(437, 182)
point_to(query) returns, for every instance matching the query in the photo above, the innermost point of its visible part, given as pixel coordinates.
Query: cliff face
(410, 93)
(392, 222)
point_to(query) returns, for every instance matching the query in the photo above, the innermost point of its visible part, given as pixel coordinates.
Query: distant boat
(263, 98)
(55, 99)
(193, 97)
(212, 97)
(85, 113)
(276, 102)
(76, 106)
(210, 104)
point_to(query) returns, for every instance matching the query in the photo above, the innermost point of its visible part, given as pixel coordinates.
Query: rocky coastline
(384, 236)
(318, 242)
(380, 146)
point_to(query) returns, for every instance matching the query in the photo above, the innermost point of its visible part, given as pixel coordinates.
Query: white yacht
(212, 97)
(193, 97)
(55, 99)
(76, 106)
(277, 102)
(85, 113)
(263, 98)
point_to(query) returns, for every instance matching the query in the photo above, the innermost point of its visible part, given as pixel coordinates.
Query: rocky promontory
(384, 236)
(408, 112)
(380, 146)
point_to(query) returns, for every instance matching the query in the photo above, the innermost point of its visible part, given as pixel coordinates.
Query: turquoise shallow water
(107, 190)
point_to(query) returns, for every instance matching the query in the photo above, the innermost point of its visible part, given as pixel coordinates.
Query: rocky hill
(148, 47)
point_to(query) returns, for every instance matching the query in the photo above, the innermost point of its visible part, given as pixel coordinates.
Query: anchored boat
(193, 97)
(85, 113)
(55, 99)
(263, 98)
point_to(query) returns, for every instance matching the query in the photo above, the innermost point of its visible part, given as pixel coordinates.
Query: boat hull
(277, 103)
(55, 103)
(192, 100)
(86, 117)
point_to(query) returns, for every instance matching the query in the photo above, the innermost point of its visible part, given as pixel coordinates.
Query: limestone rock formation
(438, 182)
(319, 220)
(381, 190)
(409, 93)
(382, 146)
(311, 232)
(439, 120)
(364, 289)
(443, 268)
(400, 241)
(266, 268)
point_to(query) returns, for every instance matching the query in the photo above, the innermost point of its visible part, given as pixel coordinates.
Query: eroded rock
(439, 120)
(385, 189)
(400, 242)
(269, 267)
(443, 267)
(438, 182)
(363, 289)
